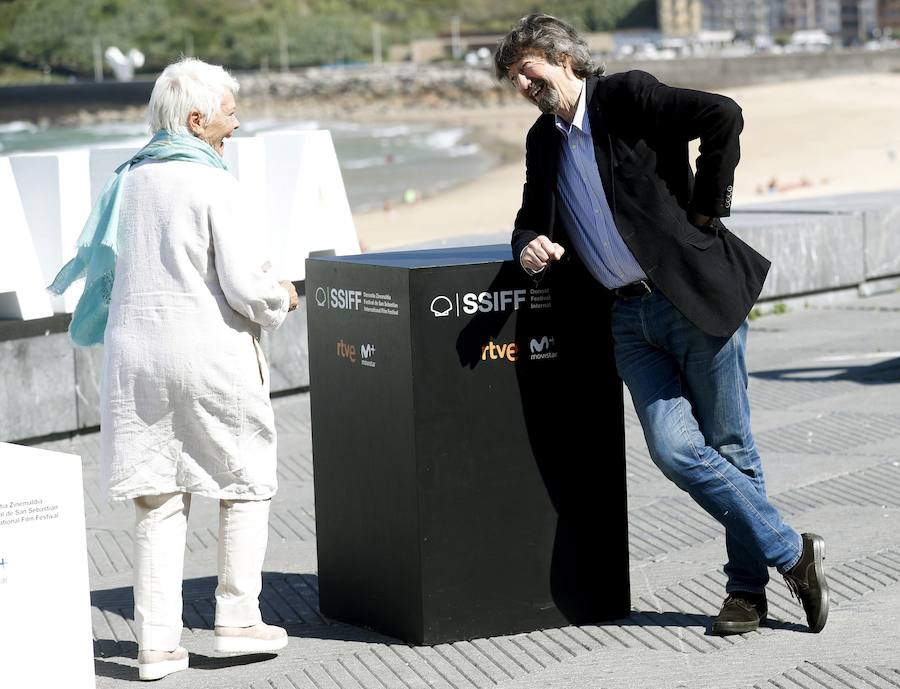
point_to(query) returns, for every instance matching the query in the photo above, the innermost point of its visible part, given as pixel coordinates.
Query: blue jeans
(690, 393)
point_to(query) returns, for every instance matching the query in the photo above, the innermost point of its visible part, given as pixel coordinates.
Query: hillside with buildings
(71, 39)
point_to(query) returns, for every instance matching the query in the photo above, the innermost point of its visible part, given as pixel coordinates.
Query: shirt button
(573, 147)
(596, 211)
(606, 244)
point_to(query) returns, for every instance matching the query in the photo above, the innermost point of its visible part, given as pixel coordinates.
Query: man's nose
(522, 83)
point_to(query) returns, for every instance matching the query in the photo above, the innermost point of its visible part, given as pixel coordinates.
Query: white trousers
(160, 530)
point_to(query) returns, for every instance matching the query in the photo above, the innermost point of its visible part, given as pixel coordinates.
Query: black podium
(468, 446)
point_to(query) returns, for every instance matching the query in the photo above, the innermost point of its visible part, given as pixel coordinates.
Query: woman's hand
(292, 292)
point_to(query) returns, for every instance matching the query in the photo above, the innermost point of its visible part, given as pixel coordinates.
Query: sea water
(383, 165)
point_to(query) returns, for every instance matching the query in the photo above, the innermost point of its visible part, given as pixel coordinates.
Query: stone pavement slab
(825, 392)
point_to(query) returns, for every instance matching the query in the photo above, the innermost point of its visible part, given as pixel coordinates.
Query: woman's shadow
(288, 599)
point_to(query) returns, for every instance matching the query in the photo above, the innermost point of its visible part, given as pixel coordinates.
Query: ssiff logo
(478, 302)
(337, 298)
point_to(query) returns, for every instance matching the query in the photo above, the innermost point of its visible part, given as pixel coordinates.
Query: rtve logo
(494, 351)
(346, 351)
(367, 351)
(478, 302)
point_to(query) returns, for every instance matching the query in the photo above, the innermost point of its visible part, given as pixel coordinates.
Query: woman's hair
(186, 85)
(544, 35)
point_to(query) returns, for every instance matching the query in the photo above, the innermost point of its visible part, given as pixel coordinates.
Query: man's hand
(539, 252)
(699, 219)
(292, 292)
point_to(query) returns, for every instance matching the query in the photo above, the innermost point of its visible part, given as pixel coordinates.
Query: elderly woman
(178, 292)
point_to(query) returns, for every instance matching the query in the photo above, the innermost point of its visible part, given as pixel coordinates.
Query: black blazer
(641, 129)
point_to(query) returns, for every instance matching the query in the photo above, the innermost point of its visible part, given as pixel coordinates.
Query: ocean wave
(444, 138)
(374, 161)
(303, 125)
(388, 131)
(17, 126)
(123, 129)
(465, 150)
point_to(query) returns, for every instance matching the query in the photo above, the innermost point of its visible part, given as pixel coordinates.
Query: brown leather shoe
(260, 638)
(741, 612)
(806, 580)
(158, 664)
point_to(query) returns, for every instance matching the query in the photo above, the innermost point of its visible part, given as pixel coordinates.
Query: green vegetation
(12, 75)
(248, 34)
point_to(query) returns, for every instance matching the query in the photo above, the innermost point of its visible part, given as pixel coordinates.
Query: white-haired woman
(177, 290)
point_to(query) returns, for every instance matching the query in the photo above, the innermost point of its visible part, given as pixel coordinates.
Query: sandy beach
(801, 138)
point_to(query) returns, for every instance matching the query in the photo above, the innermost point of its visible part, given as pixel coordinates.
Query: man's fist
(539, 252)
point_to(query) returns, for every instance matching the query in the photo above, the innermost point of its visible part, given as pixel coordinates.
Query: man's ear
(195, 122)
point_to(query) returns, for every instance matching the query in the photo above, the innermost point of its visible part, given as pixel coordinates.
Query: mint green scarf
(98, 244)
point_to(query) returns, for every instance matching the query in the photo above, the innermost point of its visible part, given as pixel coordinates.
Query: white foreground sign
(45, 613)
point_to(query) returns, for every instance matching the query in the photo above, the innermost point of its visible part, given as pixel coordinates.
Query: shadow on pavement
(198, 661)
(288, 599)
(881, 373)
(640, 618)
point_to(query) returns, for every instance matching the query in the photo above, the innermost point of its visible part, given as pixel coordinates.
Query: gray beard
(549, 100)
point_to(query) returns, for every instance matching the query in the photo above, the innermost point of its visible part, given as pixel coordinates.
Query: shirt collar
(579, 120)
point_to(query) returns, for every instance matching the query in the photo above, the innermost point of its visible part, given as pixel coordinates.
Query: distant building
(859, 19)
(440, 48)
(850, 20)
(889, 15)
(808, 15)
(744, 17)
(680, 17)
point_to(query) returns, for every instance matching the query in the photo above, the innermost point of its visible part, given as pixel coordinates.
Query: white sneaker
(259, 638)
(158, 664)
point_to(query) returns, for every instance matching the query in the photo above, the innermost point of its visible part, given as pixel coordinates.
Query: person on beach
(609, 190)
(177, 290)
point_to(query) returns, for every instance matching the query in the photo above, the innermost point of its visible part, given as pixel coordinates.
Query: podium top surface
(429, 258)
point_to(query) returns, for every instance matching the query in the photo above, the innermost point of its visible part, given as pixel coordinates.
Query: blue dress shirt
(595, 236)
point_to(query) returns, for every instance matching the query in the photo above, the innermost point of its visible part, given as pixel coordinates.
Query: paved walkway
(825, 388)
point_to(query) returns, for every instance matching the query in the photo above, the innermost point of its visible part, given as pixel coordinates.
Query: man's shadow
(653, 618)
(879, 373)
(571, 400)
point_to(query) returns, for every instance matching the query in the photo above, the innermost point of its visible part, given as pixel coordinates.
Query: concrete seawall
(718, 73)
(820, 248)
